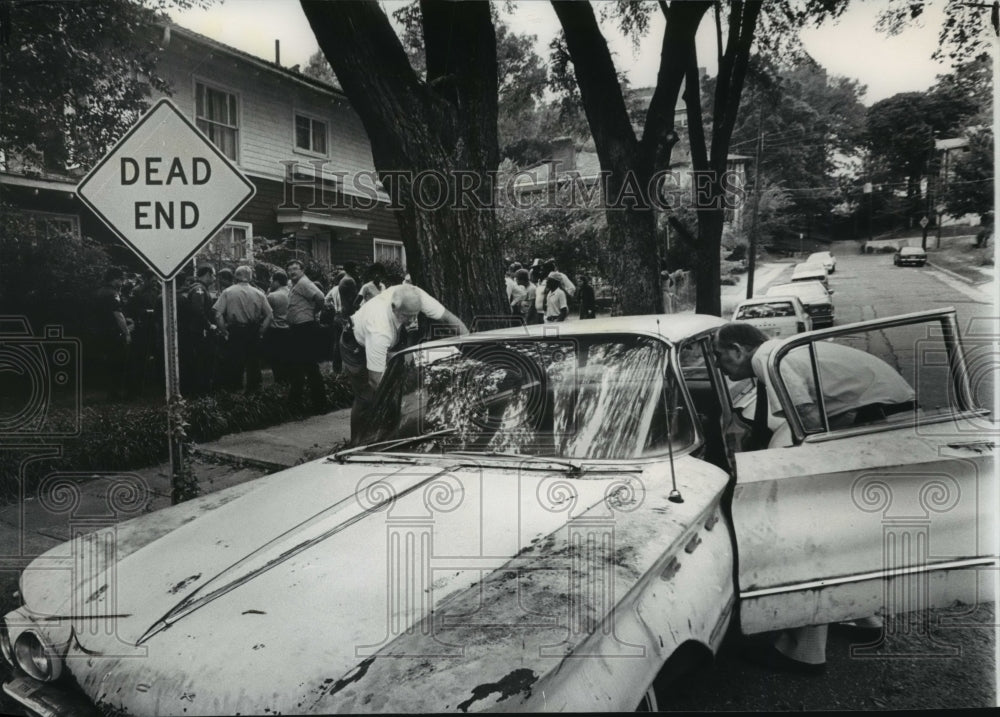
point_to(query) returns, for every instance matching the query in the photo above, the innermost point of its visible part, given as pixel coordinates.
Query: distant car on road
(826, 258)
(909, 256)
(774, 315)
(814, 297)
(811, 272)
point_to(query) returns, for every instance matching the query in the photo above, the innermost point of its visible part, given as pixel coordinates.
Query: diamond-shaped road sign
(165, 189)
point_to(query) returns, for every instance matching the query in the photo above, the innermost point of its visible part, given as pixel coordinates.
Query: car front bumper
(47, 699)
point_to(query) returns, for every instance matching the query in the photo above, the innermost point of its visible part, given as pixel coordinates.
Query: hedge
(117, 438)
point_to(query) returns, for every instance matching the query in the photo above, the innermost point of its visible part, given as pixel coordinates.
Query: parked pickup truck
(539, 521)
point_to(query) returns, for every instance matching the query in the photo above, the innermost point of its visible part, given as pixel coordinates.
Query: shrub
(120, 438)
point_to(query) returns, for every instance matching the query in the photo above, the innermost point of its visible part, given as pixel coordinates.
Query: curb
(239, 461)
(955, 275)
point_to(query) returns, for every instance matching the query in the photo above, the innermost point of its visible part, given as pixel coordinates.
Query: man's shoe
(770, 657)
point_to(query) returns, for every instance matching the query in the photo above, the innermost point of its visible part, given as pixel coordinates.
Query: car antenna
(675, 495)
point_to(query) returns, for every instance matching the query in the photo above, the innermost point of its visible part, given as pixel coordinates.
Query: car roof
(819, 254)
(672, 327)
(911, 250)
(798, 288)
(807, 268)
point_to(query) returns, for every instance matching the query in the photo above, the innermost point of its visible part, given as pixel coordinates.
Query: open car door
(880, 512)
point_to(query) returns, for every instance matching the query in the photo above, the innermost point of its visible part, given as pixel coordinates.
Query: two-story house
(296, 138)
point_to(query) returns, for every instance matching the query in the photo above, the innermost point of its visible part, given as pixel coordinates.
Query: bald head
(405, 303)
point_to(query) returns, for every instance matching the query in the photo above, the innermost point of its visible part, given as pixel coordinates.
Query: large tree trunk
(710, 204)
(428, 138)
(630, 163)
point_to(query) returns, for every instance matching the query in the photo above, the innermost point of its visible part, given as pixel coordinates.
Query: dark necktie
(760, 434)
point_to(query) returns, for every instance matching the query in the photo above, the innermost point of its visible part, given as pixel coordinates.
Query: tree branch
(742, 26)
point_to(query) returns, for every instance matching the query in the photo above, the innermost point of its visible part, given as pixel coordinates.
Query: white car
(811, 272)
(544, 521)
(826, 258)
(774, 315)
(814, 296)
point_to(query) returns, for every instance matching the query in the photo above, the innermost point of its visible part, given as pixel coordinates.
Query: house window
(49, 225)
(231, 244)
(388, 251)
(310, 134)
(215, 114)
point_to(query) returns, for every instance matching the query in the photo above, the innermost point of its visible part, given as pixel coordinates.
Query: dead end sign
(165, 189)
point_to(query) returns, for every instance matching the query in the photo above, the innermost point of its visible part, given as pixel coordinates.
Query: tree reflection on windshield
(584, 397)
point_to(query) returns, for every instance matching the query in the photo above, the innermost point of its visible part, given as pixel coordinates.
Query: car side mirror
(830, 291)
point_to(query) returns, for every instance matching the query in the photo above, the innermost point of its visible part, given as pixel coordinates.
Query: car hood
(330, 587)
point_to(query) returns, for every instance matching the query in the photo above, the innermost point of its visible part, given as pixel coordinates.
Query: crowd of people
(229, 326)
(231, 323)
(539, 293)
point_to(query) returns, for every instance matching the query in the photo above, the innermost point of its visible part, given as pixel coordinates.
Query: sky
(850, 48)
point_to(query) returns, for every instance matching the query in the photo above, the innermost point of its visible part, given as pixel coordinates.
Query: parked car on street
(811, 272)
(539, 521)
(774, 315)
(909, 256)
(814, 297)
(826, 258)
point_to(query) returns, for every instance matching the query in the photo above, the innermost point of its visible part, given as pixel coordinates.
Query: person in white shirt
(556, 308)
(857, 388)
(378, 326)
(522, 297)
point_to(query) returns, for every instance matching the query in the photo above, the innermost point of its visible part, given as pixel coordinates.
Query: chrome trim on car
(878, 575)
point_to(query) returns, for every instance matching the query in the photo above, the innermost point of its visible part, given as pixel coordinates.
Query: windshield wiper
(339, 456)
(573, 466)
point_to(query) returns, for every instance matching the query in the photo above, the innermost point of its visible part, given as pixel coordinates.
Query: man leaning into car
(857, 388)
(378, 327)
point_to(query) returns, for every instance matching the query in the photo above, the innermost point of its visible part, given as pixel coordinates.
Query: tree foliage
(76, 75)
(900, 132)
(966, 33)
(970, 189)
(805, 118)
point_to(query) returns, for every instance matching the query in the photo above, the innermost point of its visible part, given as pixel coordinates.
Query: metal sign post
(171, 365)
(165, 189)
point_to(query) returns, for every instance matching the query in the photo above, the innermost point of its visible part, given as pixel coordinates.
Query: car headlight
(36, 658)
(5, 647)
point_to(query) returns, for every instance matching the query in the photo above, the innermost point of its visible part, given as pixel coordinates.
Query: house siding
(268, 97)
(268, 101)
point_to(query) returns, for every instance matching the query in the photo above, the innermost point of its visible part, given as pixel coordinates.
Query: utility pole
(752, 258)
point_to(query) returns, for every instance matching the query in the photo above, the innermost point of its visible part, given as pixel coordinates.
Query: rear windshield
(771, 310)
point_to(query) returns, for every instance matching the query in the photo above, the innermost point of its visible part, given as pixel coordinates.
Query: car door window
(873, 377)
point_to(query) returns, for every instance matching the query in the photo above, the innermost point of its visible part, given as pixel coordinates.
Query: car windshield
(600, 397)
